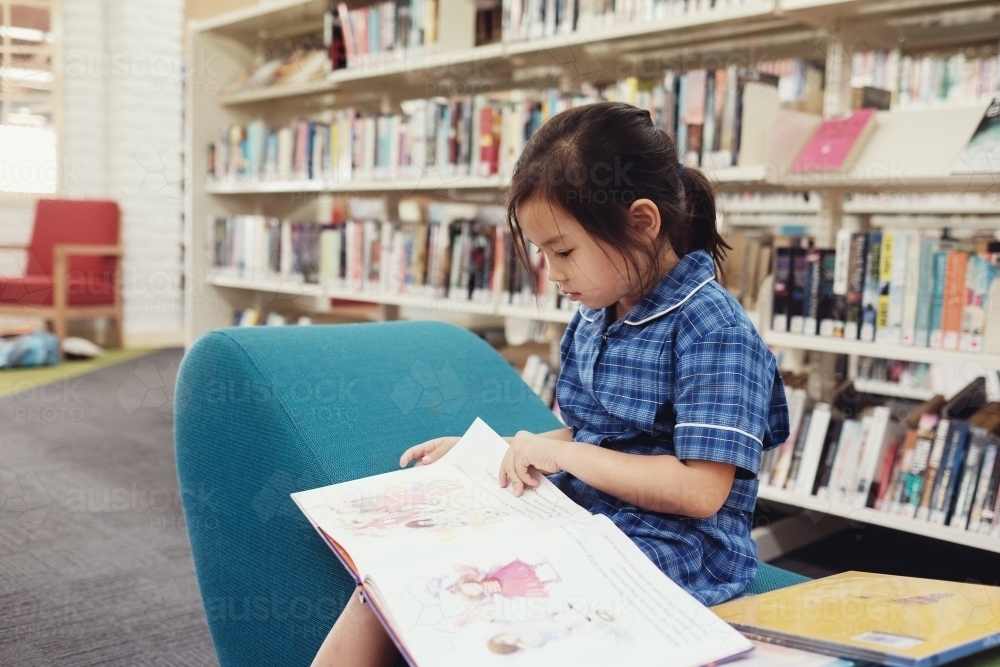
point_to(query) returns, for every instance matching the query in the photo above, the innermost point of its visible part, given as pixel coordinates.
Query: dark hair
(593, 161)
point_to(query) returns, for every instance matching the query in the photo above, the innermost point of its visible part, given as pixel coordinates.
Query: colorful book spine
(870, 296)
(954, 299)
(885, 266)
(924, 294)
(855, 285)
(943, 494)
(898, 287)
(935, 338)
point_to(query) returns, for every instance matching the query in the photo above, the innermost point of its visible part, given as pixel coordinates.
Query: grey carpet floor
(95, 567)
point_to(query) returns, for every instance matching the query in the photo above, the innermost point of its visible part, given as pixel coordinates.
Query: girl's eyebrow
(558, 237)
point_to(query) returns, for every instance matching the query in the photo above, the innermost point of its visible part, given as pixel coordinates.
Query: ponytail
(699, 197)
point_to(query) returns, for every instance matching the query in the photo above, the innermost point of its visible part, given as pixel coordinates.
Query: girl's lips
(573, 296)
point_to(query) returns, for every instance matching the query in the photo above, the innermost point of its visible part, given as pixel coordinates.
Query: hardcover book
(889, 620)
(836, 143)
(459, 571)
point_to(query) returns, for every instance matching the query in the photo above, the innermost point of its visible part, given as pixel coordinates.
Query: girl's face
(585, 270)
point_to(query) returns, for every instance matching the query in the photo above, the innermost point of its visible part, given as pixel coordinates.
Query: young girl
(669, 394)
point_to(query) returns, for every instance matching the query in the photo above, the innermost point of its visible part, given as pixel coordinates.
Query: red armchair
(74, 266)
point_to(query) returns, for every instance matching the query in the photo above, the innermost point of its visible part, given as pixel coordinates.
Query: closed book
(855, 285)
(986, 467)
(810, 324)
(798, 289)
(893, 620)
(925, 293)
(829, 454)
(888, 497)
(870, 296)
(758, 105)
(829, 310)
(836, 143)
(990, 504)
(965, 491)
(797, 409)
(800, 443)
(871, 453)
(940, 272)
(954, 299)
(932, 468)
(943, 495)
(841, 273)
(982, 153)
(885, 260)
(912, 498)
(782, 288)
(899, 287)
(805, 475)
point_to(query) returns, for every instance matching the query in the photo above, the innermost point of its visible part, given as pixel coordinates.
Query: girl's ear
(646, 217)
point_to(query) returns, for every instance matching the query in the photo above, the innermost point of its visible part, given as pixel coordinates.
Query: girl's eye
(564, 253)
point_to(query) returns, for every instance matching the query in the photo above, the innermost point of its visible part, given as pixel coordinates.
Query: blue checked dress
(683, 373)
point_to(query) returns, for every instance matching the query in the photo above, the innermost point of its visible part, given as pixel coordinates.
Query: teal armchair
(264, 412)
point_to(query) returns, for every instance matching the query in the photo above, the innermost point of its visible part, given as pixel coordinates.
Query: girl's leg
(357, 639)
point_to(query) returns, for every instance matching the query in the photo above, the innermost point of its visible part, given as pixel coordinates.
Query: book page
(402, 517)
(578, 593)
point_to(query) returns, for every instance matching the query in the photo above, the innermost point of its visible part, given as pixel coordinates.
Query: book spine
(841, 274)
(870, 296)
(937, 300)
(990, 505)
(885, 262)
(951, 462)
(898, 287)
(966, 488)
(856, 285)
(782, 288)
(932, 468)
(828, 456)
(805, 476)
(924, 293)
(954, 299)
(813, 287)
(932, 434)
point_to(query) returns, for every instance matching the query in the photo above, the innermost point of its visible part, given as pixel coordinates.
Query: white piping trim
(724, 428)
(676, 305)
(580, 310)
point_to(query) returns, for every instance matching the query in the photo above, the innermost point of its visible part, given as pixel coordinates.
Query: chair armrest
(64, 250)
(13, 246)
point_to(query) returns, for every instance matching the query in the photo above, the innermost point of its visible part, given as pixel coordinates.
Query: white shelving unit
(892, 161)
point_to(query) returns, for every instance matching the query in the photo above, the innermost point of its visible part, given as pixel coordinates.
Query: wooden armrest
(13, 246)
(70, 249)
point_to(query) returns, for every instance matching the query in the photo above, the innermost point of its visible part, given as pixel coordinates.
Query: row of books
(903, 374)
(939, 464)
(464, 259)
(534, 19)
(893, 287)
(541, 376)
(381, 32)
(718, 116)
(928, 79)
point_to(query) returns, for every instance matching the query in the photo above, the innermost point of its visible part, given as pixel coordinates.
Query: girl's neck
(668, 260)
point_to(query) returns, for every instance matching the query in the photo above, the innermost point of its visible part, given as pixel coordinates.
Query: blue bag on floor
(34, 349)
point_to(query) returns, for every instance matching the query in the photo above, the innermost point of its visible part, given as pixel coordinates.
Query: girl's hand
(428, 452)
(528, 452)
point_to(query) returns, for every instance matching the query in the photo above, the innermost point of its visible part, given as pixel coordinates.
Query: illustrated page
(400, 518)
(579, 593)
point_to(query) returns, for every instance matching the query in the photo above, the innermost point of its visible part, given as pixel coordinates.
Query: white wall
(121, 139)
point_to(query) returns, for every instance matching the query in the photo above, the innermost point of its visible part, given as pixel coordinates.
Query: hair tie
(680, 168)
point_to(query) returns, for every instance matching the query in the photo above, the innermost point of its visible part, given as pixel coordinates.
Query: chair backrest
(59, 221)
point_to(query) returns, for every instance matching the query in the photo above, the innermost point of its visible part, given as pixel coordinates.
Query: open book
(461, 572)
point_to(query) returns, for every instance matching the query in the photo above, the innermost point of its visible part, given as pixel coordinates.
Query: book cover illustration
(982, 153)
(440, 506)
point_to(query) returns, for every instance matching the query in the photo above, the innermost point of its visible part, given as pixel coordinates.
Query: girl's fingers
(416, 453)
(522, 473)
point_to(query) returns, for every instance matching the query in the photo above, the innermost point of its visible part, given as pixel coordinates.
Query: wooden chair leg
(119, 330)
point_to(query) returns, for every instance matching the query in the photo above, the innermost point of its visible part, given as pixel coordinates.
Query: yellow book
(897, 621)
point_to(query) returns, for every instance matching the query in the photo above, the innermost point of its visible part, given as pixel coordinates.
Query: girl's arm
(654, 483)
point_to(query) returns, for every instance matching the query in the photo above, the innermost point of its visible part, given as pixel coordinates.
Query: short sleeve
(724, 396)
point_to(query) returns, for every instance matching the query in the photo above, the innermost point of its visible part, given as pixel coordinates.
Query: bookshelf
(892, 162)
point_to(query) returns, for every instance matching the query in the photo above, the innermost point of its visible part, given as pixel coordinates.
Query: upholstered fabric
(64, 221)
(34, 290)
(263, 412)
